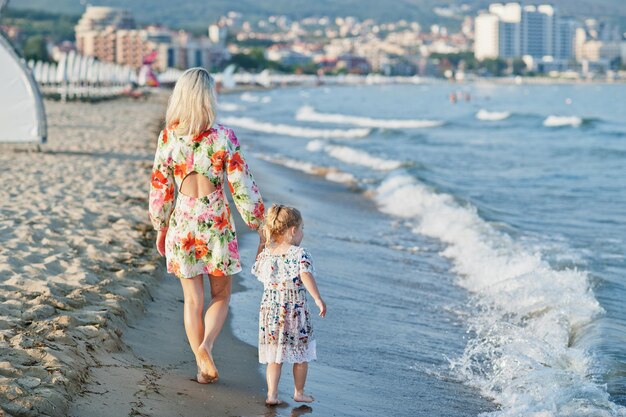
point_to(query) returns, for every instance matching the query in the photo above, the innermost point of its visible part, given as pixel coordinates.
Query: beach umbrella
(37, 71)
(22, 115)
(45, 73)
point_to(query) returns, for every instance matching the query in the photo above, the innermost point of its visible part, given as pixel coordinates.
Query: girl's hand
(322, 306)
(160, 241)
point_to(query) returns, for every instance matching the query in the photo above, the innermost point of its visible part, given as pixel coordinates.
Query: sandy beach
(90, 322)
(77, 260)
(74, 250)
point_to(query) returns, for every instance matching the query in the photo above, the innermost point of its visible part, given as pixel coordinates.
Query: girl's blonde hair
(279, 219)
(192, 106)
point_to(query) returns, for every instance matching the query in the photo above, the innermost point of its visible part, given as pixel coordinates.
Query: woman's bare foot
(273, 400)
(301, 397)
(208, 371)
(202, 379)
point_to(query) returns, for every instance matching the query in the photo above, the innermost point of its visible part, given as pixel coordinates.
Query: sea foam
(229, 107)
(561, 121)
(329, 173)
(296, 131)
(492, 116)
(309, 114)
(523, 353)
(251, 98)
(353, 156)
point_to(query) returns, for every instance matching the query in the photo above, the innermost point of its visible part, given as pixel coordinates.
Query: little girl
(285, 332)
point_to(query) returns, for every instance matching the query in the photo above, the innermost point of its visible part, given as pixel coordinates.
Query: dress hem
(203, 273)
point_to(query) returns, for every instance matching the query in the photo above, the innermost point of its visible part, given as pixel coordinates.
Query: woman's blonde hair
(192, 106)
(279, 219)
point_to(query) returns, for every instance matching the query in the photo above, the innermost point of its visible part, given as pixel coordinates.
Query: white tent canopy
(22, 115)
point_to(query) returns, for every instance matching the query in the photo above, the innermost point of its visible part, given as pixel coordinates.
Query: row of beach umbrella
(77, 76)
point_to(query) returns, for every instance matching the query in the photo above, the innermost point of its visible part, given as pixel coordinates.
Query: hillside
(198, 13)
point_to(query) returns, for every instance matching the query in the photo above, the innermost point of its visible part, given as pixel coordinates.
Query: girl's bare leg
(272, 374)
(214, 319)
(299, 378)
(193, 290)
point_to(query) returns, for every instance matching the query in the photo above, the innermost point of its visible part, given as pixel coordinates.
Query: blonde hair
(279, 219)
(192, 106)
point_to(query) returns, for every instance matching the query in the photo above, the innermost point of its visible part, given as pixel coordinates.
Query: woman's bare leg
(272, 374)
(193, 290)
(214, 319)
(299, 378)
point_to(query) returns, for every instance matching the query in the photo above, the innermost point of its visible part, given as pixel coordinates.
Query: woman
(196, 232)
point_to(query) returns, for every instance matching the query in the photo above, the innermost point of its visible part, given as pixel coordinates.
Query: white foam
(229, 107)
(296, 131)
(492, 116)
(353, 156)
(523, 354)
(251, 98)
(308, 113)
(329, 173)
(560, 121)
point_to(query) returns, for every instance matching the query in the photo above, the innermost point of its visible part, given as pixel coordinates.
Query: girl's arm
(311, 287)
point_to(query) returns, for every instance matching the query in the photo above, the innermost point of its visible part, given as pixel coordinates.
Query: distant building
(109, 34)
(218, 33)
(286, 56)
(487, 36)
(513, 31)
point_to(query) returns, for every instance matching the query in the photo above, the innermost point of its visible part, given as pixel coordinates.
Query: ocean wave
(353, 156)
(251, 98)
(561, 121)
(523, 353)
(229, 107)
(492, 116)
(296, 131)
(329, 173)
(308, 113)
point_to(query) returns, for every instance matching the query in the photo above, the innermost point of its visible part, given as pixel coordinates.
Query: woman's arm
(241, 183)
(162, 186)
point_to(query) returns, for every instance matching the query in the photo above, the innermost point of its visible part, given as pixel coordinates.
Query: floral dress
(285, 331)
(201, 236)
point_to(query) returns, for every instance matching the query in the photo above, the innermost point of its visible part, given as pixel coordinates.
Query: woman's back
(209, 154)
(215, 155)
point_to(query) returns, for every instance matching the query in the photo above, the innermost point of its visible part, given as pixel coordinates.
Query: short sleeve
(306, 263)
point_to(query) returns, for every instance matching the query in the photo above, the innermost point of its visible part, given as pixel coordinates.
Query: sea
(470, 240)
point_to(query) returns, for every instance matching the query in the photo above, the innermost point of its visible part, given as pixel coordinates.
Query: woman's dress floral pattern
(201, 236)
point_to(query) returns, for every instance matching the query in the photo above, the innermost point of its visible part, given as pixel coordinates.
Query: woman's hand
(322, 306)
(160, 241)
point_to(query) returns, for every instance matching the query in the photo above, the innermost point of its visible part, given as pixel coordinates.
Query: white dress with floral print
(201, 236)
(285, 331)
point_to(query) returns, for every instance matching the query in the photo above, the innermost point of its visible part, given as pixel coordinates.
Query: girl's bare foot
(208, 371)
(273, 400)
(301, 397)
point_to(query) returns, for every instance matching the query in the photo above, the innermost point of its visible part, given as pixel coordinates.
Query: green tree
(494, 66)
(519, 66)
(35, 48)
